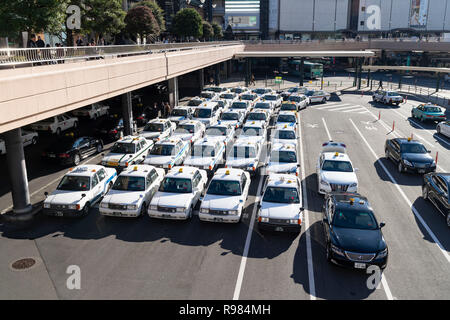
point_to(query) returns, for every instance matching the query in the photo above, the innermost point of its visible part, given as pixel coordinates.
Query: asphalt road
(156, 259)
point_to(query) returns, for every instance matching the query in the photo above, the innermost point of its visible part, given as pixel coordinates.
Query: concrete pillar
(201, 79)
(229, 67)
(359, 73)
(368, 77)
(127, 114)
(225, 69)
(301, 70)
(173, 91)
(217, 74)
(438, 82)
(247, 71)
(17, 171)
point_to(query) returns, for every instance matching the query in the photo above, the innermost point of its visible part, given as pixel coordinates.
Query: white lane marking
(312, 286)
(326, 128)
(328, 106)
(237, 289)
(355, 110)
(50, 183)
(353, 106)
(416, 213)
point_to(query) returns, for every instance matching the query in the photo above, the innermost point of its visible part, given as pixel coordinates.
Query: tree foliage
(229, 33)
(188, 23)
(208, 31)
(140, 20)
(158, 13)
(217, 31)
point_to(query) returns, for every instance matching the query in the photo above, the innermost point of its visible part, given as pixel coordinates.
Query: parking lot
(145, 258)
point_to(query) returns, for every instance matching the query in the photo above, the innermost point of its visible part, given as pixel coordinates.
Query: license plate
(218, 219)
(113, 164)
(52, 156)
(279, 229)
(360, 265)
(117, 213)
(421, 171)
(166, 216)
(59, 213)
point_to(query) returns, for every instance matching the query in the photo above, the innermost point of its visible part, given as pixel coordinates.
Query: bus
(310, 70)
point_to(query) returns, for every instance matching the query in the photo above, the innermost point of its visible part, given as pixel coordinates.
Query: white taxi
(335, 172)
(239, 90)
(28, 138)
(224, 105)
(318, 96)
(209, 95)
(254, 131)
(286, 117)
(262, 91)
(181, 113)
(168, 153)
(244, 155)
(208, 113)
(300, 100)
(252, 98)
(92, 111)
(225, 197)
(127, 151)
(280, 208)
(283, 159)
(285, 133)
(267, 106)
(216, 89)
(178, 193)
(258, 116)
(56, 124)
(132, 191)
(289, 106)
(206, 154)
(223, 132)
(241, 105)
(195, 102)
(443, 128)
(78, 190)
(229, 96)
(273, 98)
(189, 130)
(235, 118)
(158, 129)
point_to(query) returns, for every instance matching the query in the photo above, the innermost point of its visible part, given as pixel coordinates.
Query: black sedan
(435, 188)
(110, 128)
(353, 236)
(70, 150)
(410, 155)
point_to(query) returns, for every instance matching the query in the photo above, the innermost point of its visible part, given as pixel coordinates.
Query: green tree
(188, 23)
(32, 16)
(208, 31)
(140, 20)
(101, 17)
(217, 31)
(158, 13)
(229, 33)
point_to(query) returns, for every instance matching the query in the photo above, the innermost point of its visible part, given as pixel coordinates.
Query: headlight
(382, 254)
(407, 162)
(104, 205)
(204, 210)
(153, 207)
(182, 209)
(47, 205)
(263, 219)
(353, 185)
(234, 212)
(72, 206)
(294, 221)
(131, 207)
(337, 250)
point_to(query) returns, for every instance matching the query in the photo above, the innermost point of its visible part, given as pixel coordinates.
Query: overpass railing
(12, 57)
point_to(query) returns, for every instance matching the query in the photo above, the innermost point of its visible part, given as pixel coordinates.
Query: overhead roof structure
(287, 54)
(407, 68)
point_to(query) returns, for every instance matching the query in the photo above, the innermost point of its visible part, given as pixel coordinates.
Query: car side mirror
(325, 220)
(83, 195)
(46, 194)
(429, 151)
(302, 209)
(298, 165)
(103, 154)
(382, 224)
(356, 169)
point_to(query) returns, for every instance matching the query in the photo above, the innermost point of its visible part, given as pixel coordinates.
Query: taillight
(113, 131)
(210, 167)
(64, 155)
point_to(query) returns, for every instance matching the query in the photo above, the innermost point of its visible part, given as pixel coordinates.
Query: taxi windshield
(162, 150)
(125, 183)
(203, 151)
(284, 134)
(224, 188)
(413, 148)
(74, 183)
(293, 90)
(230, 116)
(288, 106)
(207, 95)
(354, 219)
(239, 105)
(259, 91)
(257, 116)
(286, 118)
(122, 147)
(244, 152)
(248, 97)
(392, 94)
(176, 185)
(202, 113)
(281, 195)
(270, 97)
(185, 128)
(295, 98)
(341, 166)
(238, 90)
(154, 127)
(262, 105)
(283, 156)
(179, 113)
(432, 109)
(216, 131)
(252, 131)
(227, 95)
(194, 103)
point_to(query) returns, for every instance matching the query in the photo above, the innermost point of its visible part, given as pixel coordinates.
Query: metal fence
(22, 56)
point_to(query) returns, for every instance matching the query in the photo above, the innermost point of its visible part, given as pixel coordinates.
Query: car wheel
(438, 129)
(400, 167)
(425, 192)
(110, 184)
(86, 209)
(76, 159)
(191, 211)
(143, 210)
(329, 252)
(386, 154)
(99, 148)
(324, 100)
(422, 119)
(34, 141)
(58, 131)
(412, 115)
(448, 219)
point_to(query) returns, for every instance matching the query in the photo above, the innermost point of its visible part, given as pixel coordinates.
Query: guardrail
(12, 57)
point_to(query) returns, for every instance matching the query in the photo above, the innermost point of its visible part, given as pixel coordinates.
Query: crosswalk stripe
(344, 108)
(357, 109)
(333, 106)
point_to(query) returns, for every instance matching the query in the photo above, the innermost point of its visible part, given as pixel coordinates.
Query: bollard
(436, 157)
(393, 125)
(379, 115)
(412, 136)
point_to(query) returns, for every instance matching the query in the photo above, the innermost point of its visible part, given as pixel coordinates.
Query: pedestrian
(252, 81)
(40, 43)
(79, 42)
(154, 111)
(167, 109)
(380, 84)
(161, 109)
(32, 42)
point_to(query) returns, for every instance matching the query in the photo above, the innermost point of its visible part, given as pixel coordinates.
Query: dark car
(110, 128)
(435, 188)
(145, 116)
(410, 155)
(352, 234)
(70, 151)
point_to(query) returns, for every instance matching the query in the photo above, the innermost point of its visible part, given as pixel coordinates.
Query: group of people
(162, 109)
